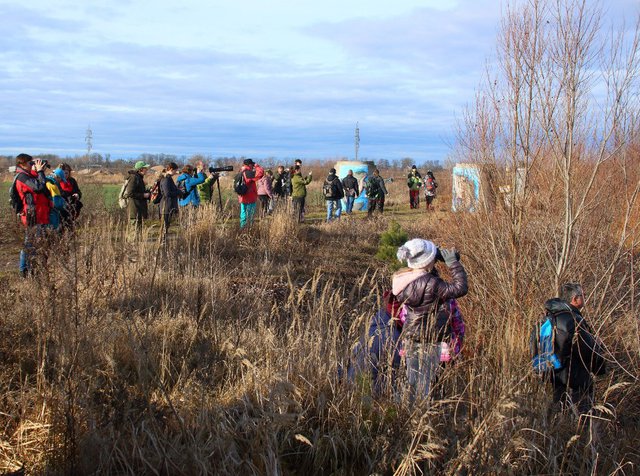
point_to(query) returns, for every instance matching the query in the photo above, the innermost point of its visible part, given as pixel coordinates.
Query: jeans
(247, 212)
(349, 204)
(423, 361)
(331, 205)
(32, 235)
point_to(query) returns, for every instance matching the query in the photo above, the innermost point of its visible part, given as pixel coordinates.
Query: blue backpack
(543, 336)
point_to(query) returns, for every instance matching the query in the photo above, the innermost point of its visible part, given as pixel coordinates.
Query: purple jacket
(424, 294)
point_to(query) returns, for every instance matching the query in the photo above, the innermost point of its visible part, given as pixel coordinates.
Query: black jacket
(575, 345)
(170, 195)
(350, 186)
(282, 184)
(335, 182)
(424, 298)
(134, 193)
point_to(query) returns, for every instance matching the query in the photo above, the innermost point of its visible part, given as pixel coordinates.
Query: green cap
(141, 164)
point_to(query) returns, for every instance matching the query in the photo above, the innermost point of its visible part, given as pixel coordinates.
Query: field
(225, 352)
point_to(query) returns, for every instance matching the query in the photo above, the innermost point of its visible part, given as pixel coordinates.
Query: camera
(226, 168)
(440, 258)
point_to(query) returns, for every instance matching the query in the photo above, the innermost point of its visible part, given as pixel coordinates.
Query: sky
(258, 78)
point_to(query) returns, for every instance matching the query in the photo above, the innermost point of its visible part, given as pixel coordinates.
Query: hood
(183, 176)
(557, 305)
(404, 277)
(60, 175)
(132, 172)
(331, 177)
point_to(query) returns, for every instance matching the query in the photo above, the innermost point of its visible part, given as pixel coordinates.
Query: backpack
(14, 198)
(122, 200)
(430, 185)
(239, 184)
(330, 189)
(182, 188)
(543, 336)
(156, 193)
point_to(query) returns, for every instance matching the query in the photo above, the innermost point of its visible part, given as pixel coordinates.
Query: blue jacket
(191, 184)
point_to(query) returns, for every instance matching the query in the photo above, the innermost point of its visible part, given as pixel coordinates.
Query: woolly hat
(418, 253)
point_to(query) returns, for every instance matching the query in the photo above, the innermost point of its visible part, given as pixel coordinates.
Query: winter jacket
(579, 355)
(264, 186)
(299, 185)
(414, 182)
(191, 184)
(75, 205)
(350, 186)
(32, 190)
(134, 193)
(375, 187)
(251, 176)
(424, 295)
(55, 193)
(335, 181)
(282, 184)
(205, 189)
(430, 186)
(170, 195)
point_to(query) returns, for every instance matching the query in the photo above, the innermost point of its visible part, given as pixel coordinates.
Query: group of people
(290, 185)
(415, 182)
(421, 320)
(335, 190)
(47, 204)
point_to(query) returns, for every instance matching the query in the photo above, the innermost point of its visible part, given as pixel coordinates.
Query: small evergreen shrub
(390, 240)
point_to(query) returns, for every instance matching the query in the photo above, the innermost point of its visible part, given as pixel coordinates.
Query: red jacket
(251, 176)
(32, 189)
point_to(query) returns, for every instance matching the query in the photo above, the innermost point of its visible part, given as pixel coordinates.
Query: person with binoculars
(423, 293)
(31, 202)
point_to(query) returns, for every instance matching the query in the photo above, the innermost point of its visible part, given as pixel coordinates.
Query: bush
(390, 240)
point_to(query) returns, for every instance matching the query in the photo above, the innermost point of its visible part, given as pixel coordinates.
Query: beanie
(418, 253)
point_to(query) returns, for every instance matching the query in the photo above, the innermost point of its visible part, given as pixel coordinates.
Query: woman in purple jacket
(423, 292)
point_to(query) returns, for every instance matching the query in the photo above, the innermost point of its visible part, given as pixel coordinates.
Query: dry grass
(221, 354)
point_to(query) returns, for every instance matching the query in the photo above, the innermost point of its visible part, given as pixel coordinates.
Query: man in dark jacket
(333, 195)
(423, 293)
(579, 351)
(33, 196)
(376, 193)
(137, 196)
(351, 190)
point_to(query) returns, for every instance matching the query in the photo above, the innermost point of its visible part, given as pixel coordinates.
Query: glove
(449, 257)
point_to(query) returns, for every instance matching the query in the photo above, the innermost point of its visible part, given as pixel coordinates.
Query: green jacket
(414, 182)
(205, 189)
(299, 185)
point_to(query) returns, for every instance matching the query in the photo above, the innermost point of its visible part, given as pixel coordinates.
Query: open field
(223, 354)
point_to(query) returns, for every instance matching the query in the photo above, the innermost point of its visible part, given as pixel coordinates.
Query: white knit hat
(418, 253)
